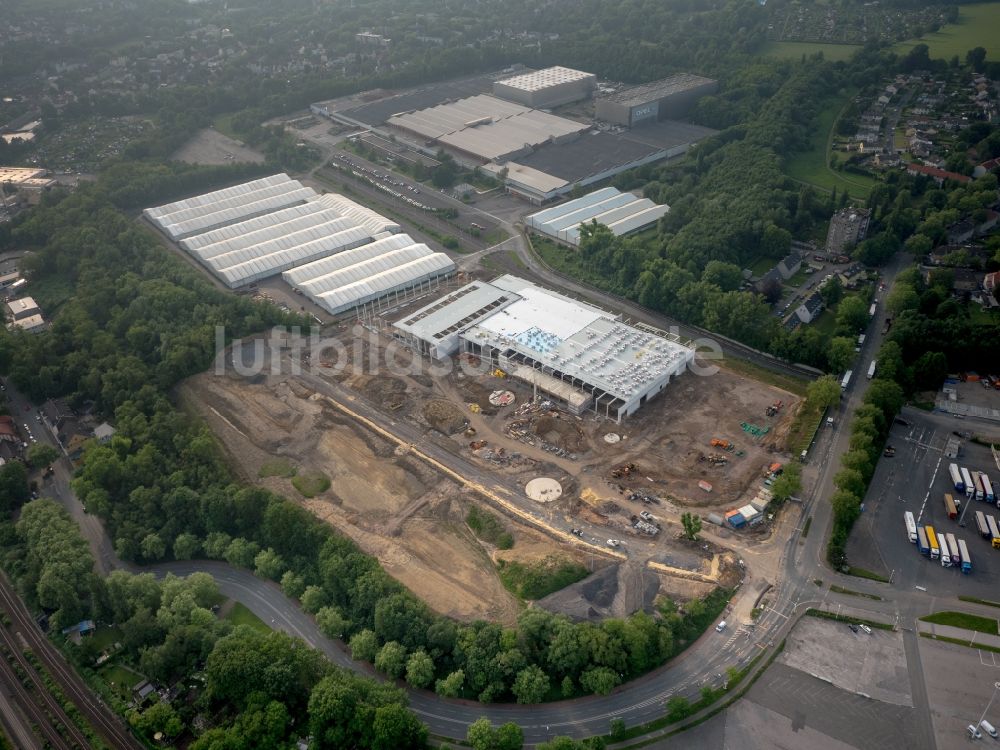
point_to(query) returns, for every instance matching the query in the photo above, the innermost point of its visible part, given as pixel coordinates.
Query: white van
(988, 728)
(720, 627)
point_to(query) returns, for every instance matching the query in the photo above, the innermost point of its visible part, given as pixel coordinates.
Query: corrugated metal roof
(269, 265)
(386, 282)
(367, 269)
(200, 224)
(215, 195)
(250, 225)
(282, 241)
(322, 268)
(190, 212)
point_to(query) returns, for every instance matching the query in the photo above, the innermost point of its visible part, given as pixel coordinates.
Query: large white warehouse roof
(338, 252)
(621, 212)
(349, 279)
(542, 79)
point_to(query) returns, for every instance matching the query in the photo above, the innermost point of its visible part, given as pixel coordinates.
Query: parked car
(853, 627)
(614, 543)
(865, 628)
(720, 627)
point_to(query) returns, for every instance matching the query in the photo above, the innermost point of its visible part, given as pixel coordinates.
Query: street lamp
(996, 686)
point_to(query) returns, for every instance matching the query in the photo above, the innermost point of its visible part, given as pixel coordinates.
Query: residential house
(985, 167)
(938, 175)
(104, 432)
(809, 310)
(768, 280)
(789, 265)
(960, 231)
(8, 430)
(967, 280)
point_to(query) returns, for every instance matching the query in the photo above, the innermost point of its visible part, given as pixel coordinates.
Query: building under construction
(584, 357)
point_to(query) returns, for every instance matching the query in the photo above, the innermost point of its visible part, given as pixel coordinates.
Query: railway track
(101, 718)
(39, 706)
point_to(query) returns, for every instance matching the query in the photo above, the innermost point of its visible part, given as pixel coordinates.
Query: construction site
(396, 462)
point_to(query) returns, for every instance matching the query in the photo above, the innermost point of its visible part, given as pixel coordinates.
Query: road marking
(933, 477)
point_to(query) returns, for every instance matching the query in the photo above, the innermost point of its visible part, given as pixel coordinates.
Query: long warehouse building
(341, 255)
(383, 269)
(575, 353)
(622, 213)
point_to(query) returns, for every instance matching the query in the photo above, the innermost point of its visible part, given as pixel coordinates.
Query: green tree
(902, 297)
(332, 622)
(726, 276)
(824, 392)
(451, 686)
(186, 546)
(41, 454)
(691, 524)
(160, 717)
(930, 370)
(313, 599)
(293, 584)
(268, 564)
(420, 669)
(241, 552)
(599, 680)
(850, 480)
(364, 646)
(391, 659)
(975, 58)
(852, 315)
(153, 547)
(531, 685)
(840, 354)
(832, 292)
(678, 707)
(788, 484)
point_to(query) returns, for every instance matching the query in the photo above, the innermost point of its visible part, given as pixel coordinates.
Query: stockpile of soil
(388, 393)
(561, 432)
(444, 417)
(615, 591)
(476, 393)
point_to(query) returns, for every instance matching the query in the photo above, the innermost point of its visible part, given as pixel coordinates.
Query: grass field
(963, 620)
(277, 467)
(121, 679)
(311, 484)
(812, 166)
(795, 50)
(977, 26)
(240, 615)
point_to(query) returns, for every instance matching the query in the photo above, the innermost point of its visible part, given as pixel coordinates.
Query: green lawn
(977, 26)
(813, 166)
(120, 678)
(795, 50)
(240, 615)
(311, 483)
(105, 636)
(964, 620)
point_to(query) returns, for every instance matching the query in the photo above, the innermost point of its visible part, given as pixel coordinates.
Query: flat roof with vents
(541, 79)
(517, 324)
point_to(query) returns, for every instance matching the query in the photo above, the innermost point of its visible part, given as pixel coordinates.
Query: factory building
(666, 99)
(341, 255)
(622, 213)
(547, 88)
(572, 352)
(483, 128)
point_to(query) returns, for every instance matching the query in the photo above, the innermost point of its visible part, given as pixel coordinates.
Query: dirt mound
(476, 393)
(389, 393)
(566, 435)
(615, 591)
(444, 417)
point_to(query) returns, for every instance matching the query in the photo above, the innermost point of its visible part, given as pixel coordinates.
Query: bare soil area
(209, 146)
(394, 506)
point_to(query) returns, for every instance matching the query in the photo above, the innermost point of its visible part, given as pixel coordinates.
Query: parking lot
(915, 480)
(959, 683)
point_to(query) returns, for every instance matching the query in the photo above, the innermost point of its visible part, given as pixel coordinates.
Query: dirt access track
(391, 504)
